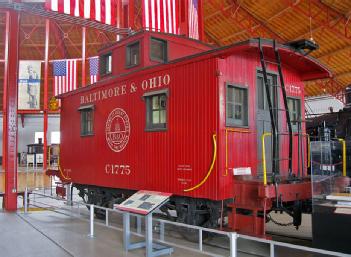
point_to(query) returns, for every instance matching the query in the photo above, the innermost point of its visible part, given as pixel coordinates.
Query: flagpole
(83, 57)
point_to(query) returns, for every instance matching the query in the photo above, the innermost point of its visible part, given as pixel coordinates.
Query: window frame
(229, 122)
(294, 127)
(127, 65)
(152, 58)
(102, 64)
(85, 109)
(149, 125)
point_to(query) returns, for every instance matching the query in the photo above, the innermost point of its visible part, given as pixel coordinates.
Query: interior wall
(31, 124)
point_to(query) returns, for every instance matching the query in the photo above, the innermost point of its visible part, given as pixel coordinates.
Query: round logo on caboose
(117, 130)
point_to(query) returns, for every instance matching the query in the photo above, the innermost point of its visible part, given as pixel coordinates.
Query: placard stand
(144, 203)
(152, 249)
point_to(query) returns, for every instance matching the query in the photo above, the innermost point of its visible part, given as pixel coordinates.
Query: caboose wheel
(197, 212)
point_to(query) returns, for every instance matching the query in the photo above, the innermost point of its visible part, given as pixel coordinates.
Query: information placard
(143, 202)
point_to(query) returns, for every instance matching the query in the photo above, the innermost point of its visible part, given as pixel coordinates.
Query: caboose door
(264, 120)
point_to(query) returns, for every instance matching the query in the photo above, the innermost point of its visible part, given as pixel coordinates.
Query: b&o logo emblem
(117, 130)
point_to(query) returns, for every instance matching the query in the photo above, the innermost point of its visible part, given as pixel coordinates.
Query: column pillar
(10, 109)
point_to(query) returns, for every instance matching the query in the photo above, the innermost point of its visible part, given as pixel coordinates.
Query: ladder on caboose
(274, 109)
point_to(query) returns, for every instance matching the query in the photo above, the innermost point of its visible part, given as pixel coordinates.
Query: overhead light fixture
(305, 45)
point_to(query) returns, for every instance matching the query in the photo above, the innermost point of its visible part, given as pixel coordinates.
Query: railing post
(233, 240)
(91, 221)
(271, 246)
(106, 218)
(200, 240)
(26, 200)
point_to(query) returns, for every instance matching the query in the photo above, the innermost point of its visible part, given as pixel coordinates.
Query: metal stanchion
(26, 200)
(271, 250)
(233, 245)
(200, 239)
(91, 221)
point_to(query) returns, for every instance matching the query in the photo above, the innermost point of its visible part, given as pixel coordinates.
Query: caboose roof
(308, 67)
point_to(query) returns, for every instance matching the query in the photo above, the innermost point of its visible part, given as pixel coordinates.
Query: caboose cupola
(145, 49)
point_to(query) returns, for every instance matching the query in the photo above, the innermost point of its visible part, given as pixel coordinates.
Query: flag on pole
(65, 76)
(193, 19)
(161, 16)
(94, 69)
(103, 11)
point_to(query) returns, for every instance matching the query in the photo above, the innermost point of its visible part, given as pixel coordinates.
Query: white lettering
(116, 169)
(150, 83)
(144, 84)
(166, 79)
(107, 168)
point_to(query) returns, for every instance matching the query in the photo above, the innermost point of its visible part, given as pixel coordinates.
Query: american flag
(161, 15)
(94, 69)
(193, 19)
(65, 76)
(103, 11)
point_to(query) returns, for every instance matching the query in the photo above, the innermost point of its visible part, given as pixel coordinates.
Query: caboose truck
(172, 114)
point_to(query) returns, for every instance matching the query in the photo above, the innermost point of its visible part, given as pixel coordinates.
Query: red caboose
(174, 115)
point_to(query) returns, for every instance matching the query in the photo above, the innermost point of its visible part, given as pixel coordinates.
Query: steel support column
(84, 31)
(119, 18)
(46, 84)
(201, 20)
(131, 5)
(10, 109)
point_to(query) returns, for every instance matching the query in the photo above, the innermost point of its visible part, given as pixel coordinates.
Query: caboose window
(106, 64)
(133, 54)
(156, 110)
(236, 110)
(158, 50)
(294, 105)
(86, 120)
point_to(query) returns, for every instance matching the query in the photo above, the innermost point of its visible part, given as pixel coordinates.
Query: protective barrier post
(233, 250)
(271, 250)
(68, 195)
(106, 221)
(91, 221)
(126, 231)
(148, 235)
(26, 200)
(200, 239)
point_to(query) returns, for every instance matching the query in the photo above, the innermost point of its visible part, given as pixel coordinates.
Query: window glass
(37, 136)
(132, 58)
(86, 121)
(106, 64)
(158, 50)
(236, 106)
(156, 111)
(55, 137)
(294, 106)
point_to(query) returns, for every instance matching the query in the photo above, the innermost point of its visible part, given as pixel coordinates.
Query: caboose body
(174, 115)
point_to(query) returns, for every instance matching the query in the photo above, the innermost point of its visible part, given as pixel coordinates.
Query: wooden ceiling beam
(342, 74)
(333, 53)
(213, 38)
(59, 39)
(253, 25)
(339, 26)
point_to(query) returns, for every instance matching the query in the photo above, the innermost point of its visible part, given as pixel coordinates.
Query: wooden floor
(30, 177)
